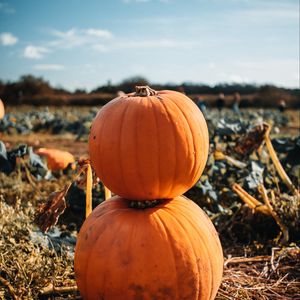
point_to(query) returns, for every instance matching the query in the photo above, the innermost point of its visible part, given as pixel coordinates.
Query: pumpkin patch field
(147, 197)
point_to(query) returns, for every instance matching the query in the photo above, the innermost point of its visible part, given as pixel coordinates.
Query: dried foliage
(28, 262)
(48, 213)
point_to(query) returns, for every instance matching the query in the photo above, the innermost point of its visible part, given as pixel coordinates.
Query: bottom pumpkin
(169, 252)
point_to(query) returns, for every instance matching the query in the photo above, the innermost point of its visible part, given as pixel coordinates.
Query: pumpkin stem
(144, 91)
(144, 204)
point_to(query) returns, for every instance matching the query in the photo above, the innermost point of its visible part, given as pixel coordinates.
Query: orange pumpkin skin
(145, 148)
(56, 159)
(169, 252)
(2, 110)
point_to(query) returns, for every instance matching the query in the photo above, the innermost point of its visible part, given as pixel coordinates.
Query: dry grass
(263, 277)
(27, 265)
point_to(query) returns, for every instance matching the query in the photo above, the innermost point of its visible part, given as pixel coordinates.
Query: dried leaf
(252, 140)
(83, 162)
(82, 177)
(49, 212)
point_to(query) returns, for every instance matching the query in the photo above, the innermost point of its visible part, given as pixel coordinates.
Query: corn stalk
(281, 172)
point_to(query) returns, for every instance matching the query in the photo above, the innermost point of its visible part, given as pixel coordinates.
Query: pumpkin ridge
(121, 157)
(175, 219)
(210, 266)
(212, 229)
(96, 246)
(204, 132)
(137, 121)
(131, 242)
(158, 147)
(94, 220)
(217, 244)
(99, 133)
(171, 247)
(216, 241)
(191, 134)
(111, 211)
(85, 229)
(88, 260)
(204, 246)
(202, 162)
(196, 168)
(100, 149)
(159, 156)
(174, 138)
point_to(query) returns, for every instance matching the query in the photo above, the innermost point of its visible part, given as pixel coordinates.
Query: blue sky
(83, 44)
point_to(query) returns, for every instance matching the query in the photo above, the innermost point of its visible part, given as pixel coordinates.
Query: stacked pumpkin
(148, 242)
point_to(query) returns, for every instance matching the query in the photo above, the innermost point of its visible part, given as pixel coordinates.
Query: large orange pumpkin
(149, 145)
(56, 159)
(171, 252)
(2, 110)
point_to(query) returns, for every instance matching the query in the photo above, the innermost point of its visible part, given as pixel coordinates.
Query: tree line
(30, 87)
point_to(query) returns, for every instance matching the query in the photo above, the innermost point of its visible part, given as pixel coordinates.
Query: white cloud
(6, 8)
(159, 43)
(78, 37)
(98, 32)
(101, 40)
(34, 52)
(66, 39)
(49, 67)
(8, 39)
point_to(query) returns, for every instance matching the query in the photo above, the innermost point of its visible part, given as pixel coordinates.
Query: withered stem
(89, 186)
(218, 155)
(144, 91)
(283, 228)
(107, 193)
(285, 178)
(249, 200)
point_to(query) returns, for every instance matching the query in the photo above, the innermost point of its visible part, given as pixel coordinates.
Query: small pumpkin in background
(171, 251)
(56, 159)
(2, 110)
(149, 144)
